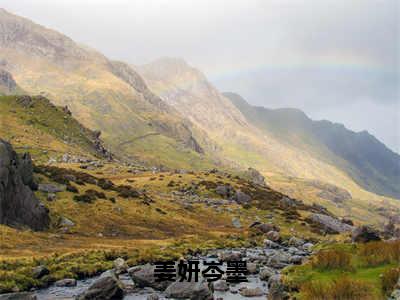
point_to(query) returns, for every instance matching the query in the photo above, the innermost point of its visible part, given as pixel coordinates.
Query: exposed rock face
(364, 234)
(329, 224)
(7, 83)
(18, 204)
(255, 176)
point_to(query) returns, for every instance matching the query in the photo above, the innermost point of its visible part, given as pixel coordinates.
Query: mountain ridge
(364, 153)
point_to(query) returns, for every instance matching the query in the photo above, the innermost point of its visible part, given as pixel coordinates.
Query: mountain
(104, 95)
(48, 132)
(365, 159)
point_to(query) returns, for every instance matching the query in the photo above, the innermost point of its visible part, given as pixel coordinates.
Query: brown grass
(341, 289)
(377, 253)
(332, 259)
(389, 280)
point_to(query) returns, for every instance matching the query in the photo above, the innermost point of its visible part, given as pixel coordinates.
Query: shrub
(340, 289)
(389, 279)
(382, 252)
(331, 259)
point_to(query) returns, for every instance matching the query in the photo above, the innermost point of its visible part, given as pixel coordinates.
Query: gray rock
(68, 282)
(18, 204)
(308, 247)
(51, 188)
(236, 223)
(256, 177)
(251, 292)
(266, 273)
(120, 265)
(276, 289)
(40, 271)
(242, 198)
(229, 255)
(265, 228)
(51, 197)
(18, 296)
(296, 259)
(252, 268)
(189, 290)
(143, 276)
(65, 222)
(296, 242)
(106, 287)
(152, 297)
(270, 244)
(225, 191)
(221, 286)
(273, 235)
(329, 224)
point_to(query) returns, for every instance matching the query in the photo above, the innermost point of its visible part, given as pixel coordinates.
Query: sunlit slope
(102, 94)
(35, 125)
(360, 155)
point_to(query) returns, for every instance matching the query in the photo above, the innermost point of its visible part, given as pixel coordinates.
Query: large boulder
(18, 296)
(18, 204)
(328, 224)
(242, 198)
(255, 176)
(106, 287)
(189, 290)
(364, 234)
(143, 276)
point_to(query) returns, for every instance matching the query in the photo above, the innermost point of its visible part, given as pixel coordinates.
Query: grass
(347, 271)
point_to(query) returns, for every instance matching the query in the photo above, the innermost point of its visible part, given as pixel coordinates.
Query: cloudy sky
(334, 59)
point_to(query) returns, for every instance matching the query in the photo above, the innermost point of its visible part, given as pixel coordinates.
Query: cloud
(331, 58)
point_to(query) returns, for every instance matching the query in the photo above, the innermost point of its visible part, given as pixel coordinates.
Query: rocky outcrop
(328, 224)
(255, 176)
(18, 204)
(364, 234)
(7, 83)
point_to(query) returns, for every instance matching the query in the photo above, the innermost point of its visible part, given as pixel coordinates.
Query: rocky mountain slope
(48, 132)
(366, 160)
(104, 95)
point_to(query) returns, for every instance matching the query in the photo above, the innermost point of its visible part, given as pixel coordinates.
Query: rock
(364, 234)
(279, 260)
(242, 198)
(236, 223)
(251, 292)
(120, 265)
(225, 256)
(225, 191)
(270, 244)
(266, 273)
(395, 295)
(347, 221)
(273, 235)
(328, 224)
(252, 268)
(51, 188)
(18, 296)
(221, 286)
(40, 271)
(7, 83)
(18, 204)
(143, 276)
(106, 287)
(265, 228)
(152, 297)
(68, 282)
(189, 290)
(296, 242)
(276, 289)
(308, 247)
(65, 222)
(296, 259)
(51, 197)
(256, 177)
